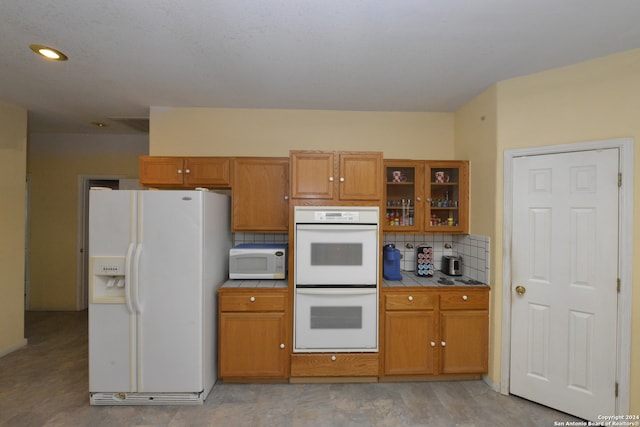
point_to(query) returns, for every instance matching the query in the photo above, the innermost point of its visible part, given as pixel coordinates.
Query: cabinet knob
(286, 197)
(341, 179)
(252, 299)
(433, 343)
(464, 297)
(179, 170)
(442, 343)
(333, 358)
(410, 298)
(419, 199)
(330, 179)
(187, 171)
(281, 345)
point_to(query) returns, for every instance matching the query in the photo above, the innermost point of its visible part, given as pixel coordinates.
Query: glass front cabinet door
(404, 195)
(446, 196)
(426, 196)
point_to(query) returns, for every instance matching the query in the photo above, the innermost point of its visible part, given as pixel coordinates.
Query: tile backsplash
(475, 251)
(242, 237)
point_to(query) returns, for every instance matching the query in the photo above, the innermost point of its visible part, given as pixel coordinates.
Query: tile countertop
(409, 278)
(248, 284)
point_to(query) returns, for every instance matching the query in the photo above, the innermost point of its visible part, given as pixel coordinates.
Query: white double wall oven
(336, 278)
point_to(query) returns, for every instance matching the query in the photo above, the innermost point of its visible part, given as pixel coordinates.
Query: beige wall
(13, 159)
(475, 140)
(595, 100)
(55, 163)
(246, 132)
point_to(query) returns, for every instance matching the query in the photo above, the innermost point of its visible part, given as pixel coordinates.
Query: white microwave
(258, 261)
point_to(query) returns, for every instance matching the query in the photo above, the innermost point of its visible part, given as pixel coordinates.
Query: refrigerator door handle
(134, 290)
(128, 278)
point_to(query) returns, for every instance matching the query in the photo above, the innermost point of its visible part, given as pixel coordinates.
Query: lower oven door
(336, 319)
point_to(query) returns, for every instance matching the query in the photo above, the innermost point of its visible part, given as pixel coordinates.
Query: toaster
(452, 265)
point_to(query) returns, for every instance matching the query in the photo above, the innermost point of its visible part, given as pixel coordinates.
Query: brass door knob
(520, 290)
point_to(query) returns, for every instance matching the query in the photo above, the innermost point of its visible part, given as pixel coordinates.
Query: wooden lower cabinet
(407, 338)
(252, 339)
(429, 331)
(334, 365)
(464, 341)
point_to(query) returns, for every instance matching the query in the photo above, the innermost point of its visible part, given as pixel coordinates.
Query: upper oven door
(336, 254)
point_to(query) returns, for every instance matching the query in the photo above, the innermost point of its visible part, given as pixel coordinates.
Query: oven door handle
(334, 291)
(331, 227)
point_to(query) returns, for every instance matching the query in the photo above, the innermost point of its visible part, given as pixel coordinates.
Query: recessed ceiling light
(48, 52)
(100, 124)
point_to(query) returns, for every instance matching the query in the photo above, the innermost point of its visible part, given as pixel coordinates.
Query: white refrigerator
(156, 259)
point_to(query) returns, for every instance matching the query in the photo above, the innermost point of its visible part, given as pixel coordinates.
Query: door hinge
(619, 179)
(616, 389)
(618, 284)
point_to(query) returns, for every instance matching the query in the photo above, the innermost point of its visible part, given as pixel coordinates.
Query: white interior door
(565, 267)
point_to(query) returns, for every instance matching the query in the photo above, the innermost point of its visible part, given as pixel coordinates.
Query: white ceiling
(373, 55)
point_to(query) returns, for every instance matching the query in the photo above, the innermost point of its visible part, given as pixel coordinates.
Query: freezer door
(112, 331)
(169, 291)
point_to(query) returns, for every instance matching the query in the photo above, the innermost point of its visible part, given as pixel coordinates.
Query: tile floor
(46, 383)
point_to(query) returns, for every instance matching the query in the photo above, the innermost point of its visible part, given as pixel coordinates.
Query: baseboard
(10, 349)
(494, 386)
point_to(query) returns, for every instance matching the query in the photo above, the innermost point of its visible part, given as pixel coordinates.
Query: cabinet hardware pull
(410, 298)
(464, 297)
(281, 345)
(333, 358)
(330, 179)
(341, 179)
(179, 170)
(286, 197)
(433, 343)
(252, 299)
(187, 171)
(442, 343)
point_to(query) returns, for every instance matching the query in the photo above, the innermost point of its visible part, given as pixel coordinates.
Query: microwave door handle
(341, 291)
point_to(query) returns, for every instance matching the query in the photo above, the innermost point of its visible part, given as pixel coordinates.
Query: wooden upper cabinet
(426, 196)
(207, 171)
(185, 172)
(260, 194)
(312, 175)
(360, 176)
(338, 175)
(446, 196)
(161, 170)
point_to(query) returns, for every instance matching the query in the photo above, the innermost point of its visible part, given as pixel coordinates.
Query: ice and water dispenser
(107, 280)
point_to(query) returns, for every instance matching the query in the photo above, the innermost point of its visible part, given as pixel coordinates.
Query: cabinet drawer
(334, 365)
(252, 302)
(460, 300)
(409, 301)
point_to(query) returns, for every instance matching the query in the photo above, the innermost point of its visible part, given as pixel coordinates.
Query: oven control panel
(337, 214)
